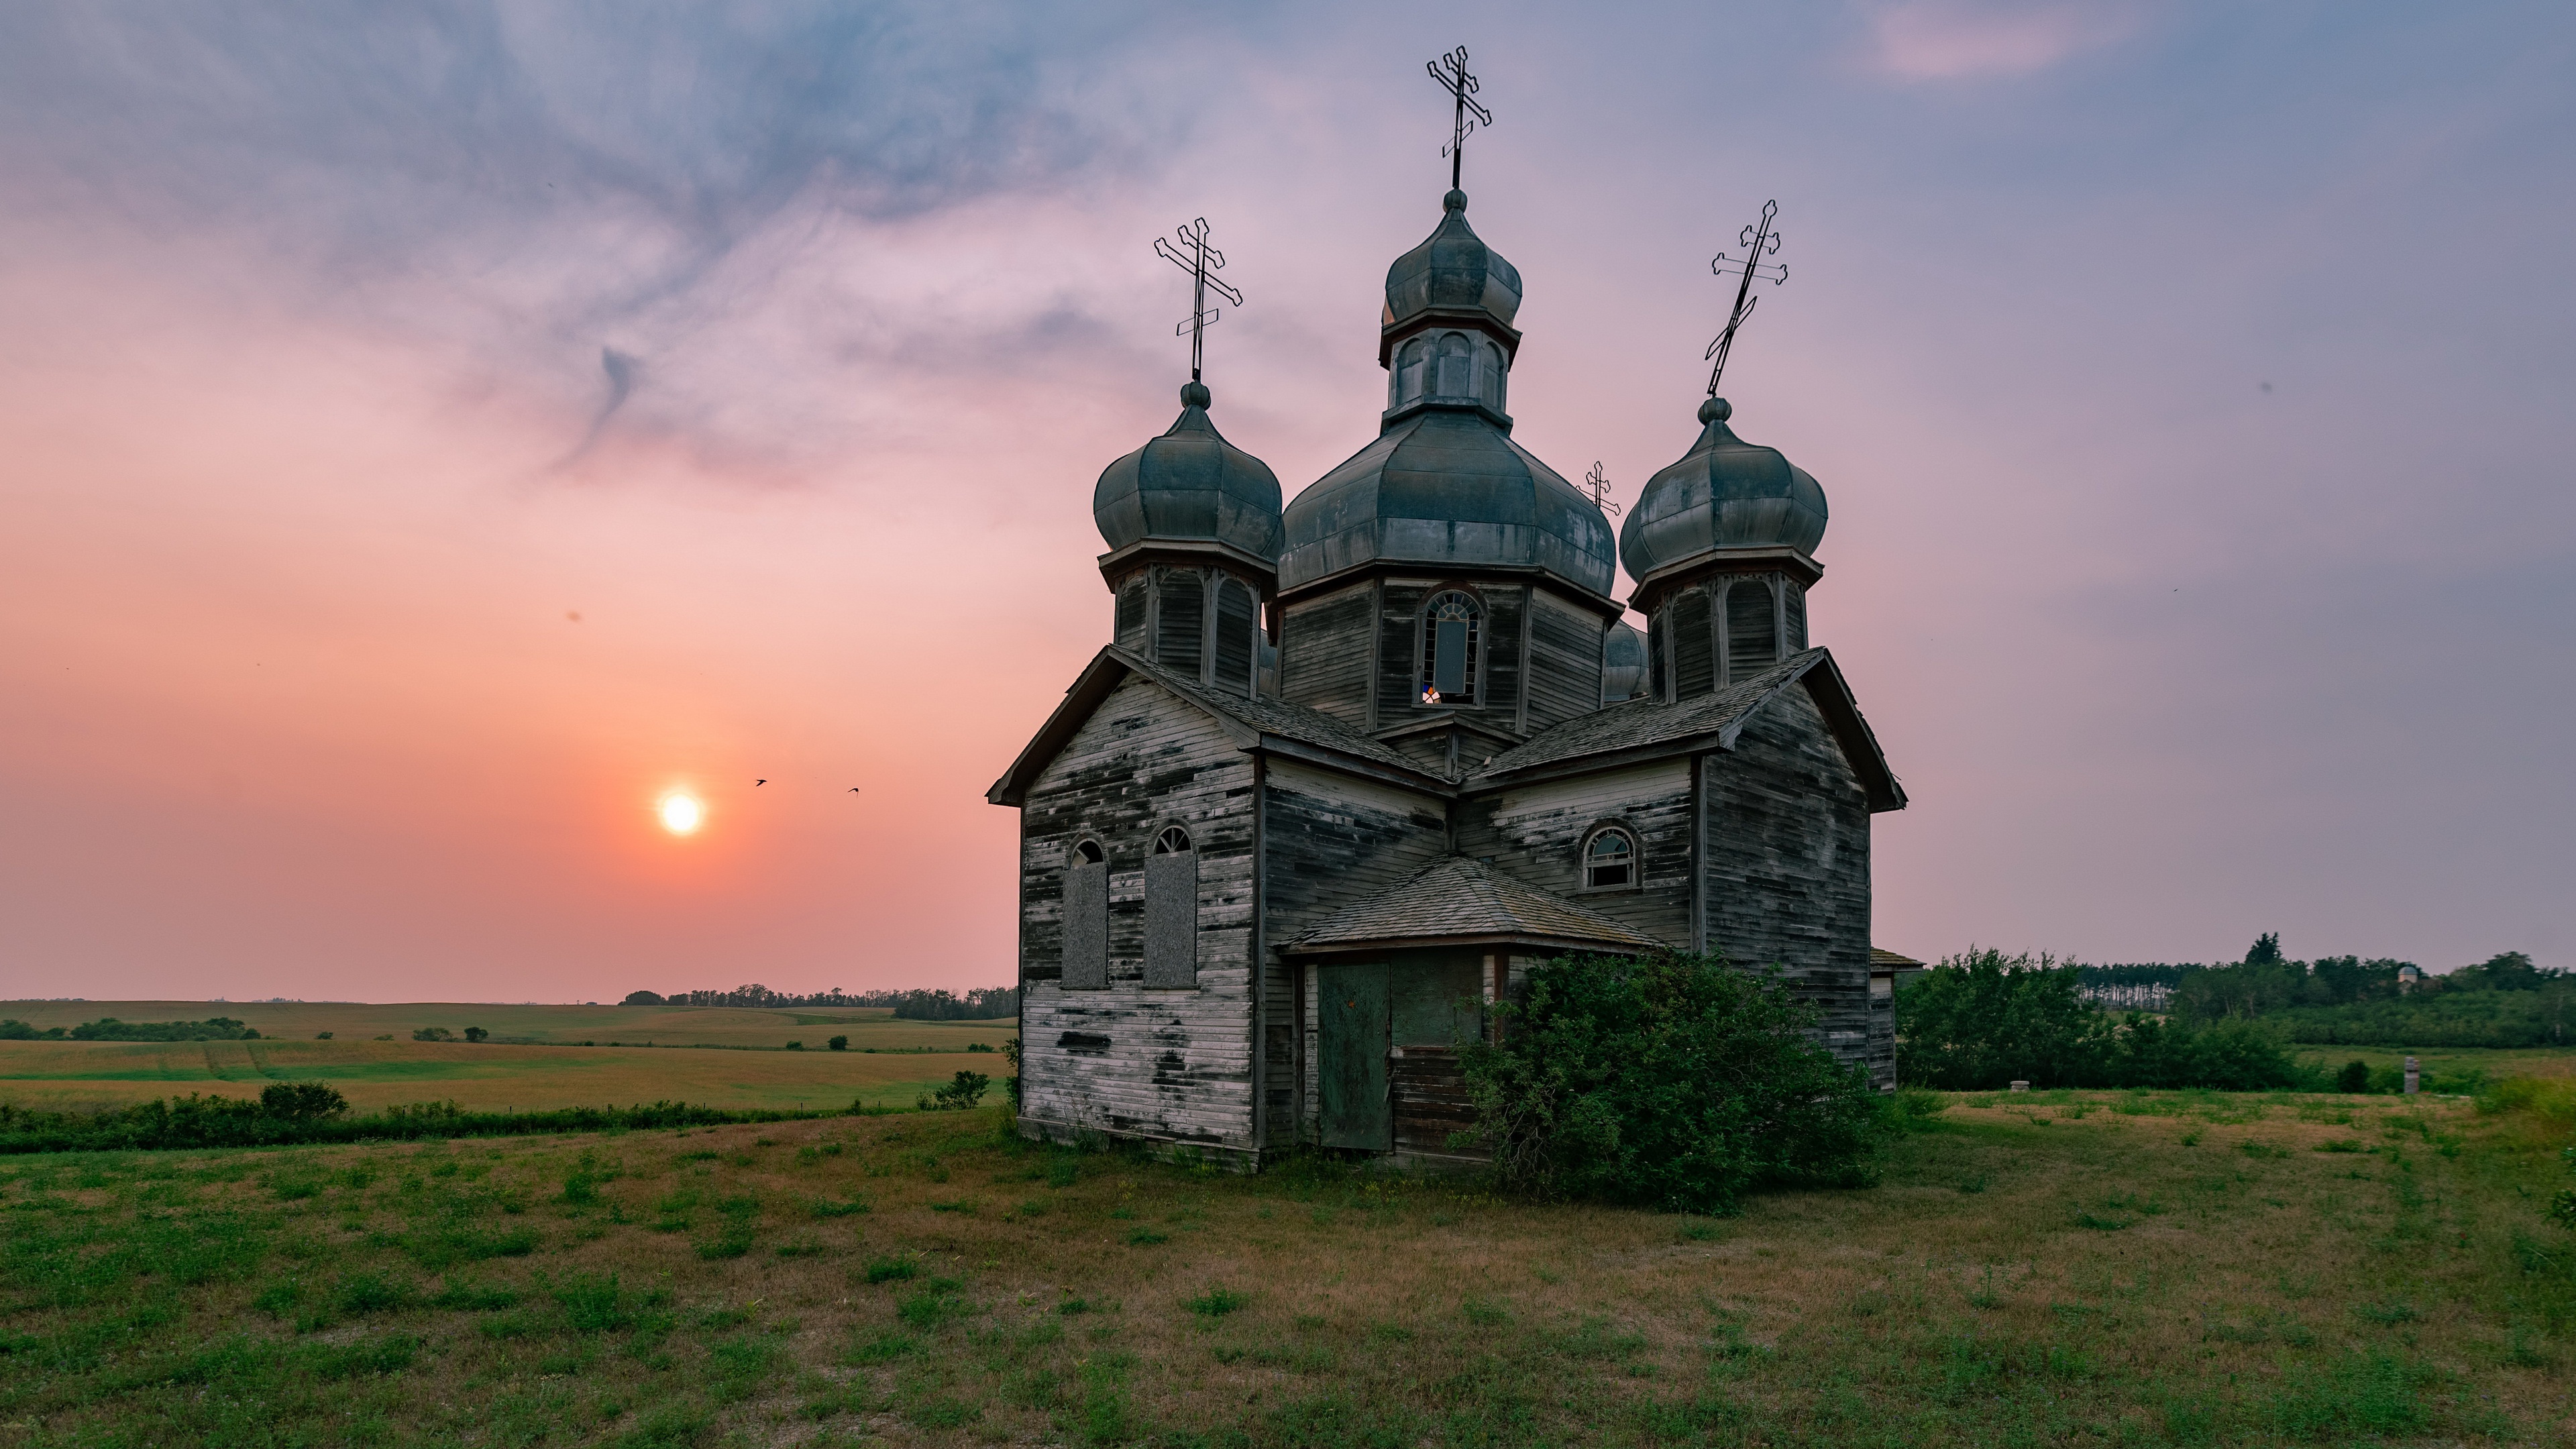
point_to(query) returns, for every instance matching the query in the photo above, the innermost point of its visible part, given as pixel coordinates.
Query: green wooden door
(1352, 1001)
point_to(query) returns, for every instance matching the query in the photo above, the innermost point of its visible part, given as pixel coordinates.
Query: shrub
(796, 1046)
(476, 1033)
(321, 1036)
(1676, 1081)
(432, 1033)
(2355, 1077)
(302, 1101)
(838, 1043)
(963, 1091)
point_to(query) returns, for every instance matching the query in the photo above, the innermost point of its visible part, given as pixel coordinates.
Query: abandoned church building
(1346, 770)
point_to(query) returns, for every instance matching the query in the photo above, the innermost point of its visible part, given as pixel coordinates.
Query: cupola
(1193, 528)
(1446, 336)
(1721, 545)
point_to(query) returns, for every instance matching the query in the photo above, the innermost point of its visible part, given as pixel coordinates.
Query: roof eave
(1540, 940)
(1118, 563)
(1770, 558)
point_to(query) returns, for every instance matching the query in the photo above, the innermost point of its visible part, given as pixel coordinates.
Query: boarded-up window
(1794, 600)
(1457, 369)
(1086, 920)
(1177, 642)
(1752, 640)
(1407, 380)
(1172, 912)
(1694, 647)
(1131, 613)
(1659, 648)
(1234, 627)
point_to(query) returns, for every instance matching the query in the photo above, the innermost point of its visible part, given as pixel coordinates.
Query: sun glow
(681, 814)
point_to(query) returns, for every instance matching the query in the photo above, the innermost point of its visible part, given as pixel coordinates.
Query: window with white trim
(1610, 860)
(1452, 626)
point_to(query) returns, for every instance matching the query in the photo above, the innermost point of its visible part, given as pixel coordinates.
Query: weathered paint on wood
(1324, 645)
(1536, 832)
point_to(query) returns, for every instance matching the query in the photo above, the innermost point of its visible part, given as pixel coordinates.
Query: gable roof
(1458, 901)
(1264, 724)
(1646, 729)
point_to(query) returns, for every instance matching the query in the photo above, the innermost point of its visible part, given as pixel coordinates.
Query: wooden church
(1346, 770)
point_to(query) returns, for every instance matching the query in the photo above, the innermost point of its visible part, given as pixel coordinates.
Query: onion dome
(1450, 489)
(1190, 485)
(1453, 274)
(1623, 663)
(1724, 494)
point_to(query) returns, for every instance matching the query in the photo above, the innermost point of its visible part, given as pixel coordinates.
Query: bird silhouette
(854, 789)
(760, 782)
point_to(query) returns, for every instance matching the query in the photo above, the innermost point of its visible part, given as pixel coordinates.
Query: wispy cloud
(1966, 40)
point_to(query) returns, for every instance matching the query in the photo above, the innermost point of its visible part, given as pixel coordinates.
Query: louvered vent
(1694, 647)
(1234, 637)
(1659, 645)
(1752, 632)
(1183, 616)
(1131, 613)
(1795, 598)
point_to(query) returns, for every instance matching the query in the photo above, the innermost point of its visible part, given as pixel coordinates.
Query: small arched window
(1451, 626)
(1088, 852)
(1609, 860)
(1405, 385)
(1172, 912)
(1489, 375)
(1456, 368)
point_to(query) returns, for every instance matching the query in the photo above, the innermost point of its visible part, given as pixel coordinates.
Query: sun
(681, 814)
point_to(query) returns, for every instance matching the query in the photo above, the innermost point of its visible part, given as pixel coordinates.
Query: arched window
(1131, 613)
(1178, 632)
(1490, 370)
(1235, 626)
(1609, 860)
(1752, 639)
(1456, 379)
(1451, 628)
(1172, 912)
(1405, 383)
(1086, 918)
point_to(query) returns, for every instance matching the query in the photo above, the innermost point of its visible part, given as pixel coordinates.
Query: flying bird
(854, 789)
(760, 782)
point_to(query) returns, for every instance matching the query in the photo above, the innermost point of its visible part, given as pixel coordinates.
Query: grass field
(2064, 1269)
(537, 1057)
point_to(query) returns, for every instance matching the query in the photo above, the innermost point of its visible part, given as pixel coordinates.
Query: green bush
(1980, 1021)
(2355, 1077)
(838, 1043)
(963, 1091)
(1675, 1081)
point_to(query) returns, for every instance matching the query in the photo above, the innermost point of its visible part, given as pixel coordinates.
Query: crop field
(538, 1057)
(2085, 1269)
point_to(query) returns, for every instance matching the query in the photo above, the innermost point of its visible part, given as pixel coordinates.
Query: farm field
(2059, 1268)
(747, 1069)
(2495, 1063)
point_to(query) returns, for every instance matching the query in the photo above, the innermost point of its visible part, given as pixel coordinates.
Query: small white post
(2412, 1076)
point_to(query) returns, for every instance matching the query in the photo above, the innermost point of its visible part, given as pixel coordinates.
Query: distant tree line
(1983, 1020)
(293, 1112)
(991, 1003)
(108, 1028)
(2504, 1001)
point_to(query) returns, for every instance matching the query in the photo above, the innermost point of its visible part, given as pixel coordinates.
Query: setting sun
(680, 814)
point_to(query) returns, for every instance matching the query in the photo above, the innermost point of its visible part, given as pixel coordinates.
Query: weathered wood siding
(1164, 1064)
(1536, 832)
(1324, 653)
(1565, 661)
(1788, 863)
(1499, 648)
(1327, 840)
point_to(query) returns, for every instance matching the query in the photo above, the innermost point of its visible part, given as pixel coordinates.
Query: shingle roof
(1645, 722)
(1273, 716)
(1461, 897)
(1880, 957)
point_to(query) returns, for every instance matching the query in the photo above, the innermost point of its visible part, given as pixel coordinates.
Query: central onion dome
(1724, 494)
(1190, 485)
(1444, 485)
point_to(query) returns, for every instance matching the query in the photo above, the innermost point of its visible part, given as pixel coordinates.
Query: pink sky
(306, 463)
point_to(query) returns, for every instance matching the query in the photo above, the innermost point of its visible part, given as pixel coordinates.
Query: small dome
(1725, 493)
(1623, 663)
(1452, 490)
(1452, 271)
(1190, 484)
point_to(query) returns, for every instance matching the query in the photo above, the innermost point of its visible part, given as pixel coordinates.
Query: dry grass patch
(2076, 1268)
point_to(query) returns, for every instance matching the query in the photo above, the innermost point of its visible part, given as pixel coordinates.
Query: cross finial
(1451, 74)
(1758, 240)
(1197, 258)
(1597, 483)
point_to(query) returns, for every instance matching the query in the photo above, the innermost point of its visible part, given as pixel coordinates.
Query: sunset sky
(432, 435)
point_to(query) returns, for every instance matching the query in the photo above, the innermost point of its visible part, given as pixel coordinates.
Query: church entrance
(1388, 1055)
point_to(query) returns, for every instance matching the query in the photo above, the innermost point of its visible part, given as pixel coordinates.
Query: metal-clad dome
(1192, 484)
(1725, 493)
(1450, 489)
(1452, 270)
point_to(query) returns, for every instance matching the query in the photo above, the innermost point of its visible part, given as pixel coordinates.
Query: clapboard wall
(1325, 648)
(1536, 832)
(1166, 1064)
(1328, 840)
(1787, 879)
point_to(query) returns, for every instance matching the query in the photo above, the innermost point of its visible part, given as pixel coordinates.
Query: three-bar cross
(1197, 258)
(1450, 73)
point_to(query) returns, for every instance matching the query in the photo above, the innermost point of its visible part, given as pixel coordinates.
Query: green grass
(463, 1293)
